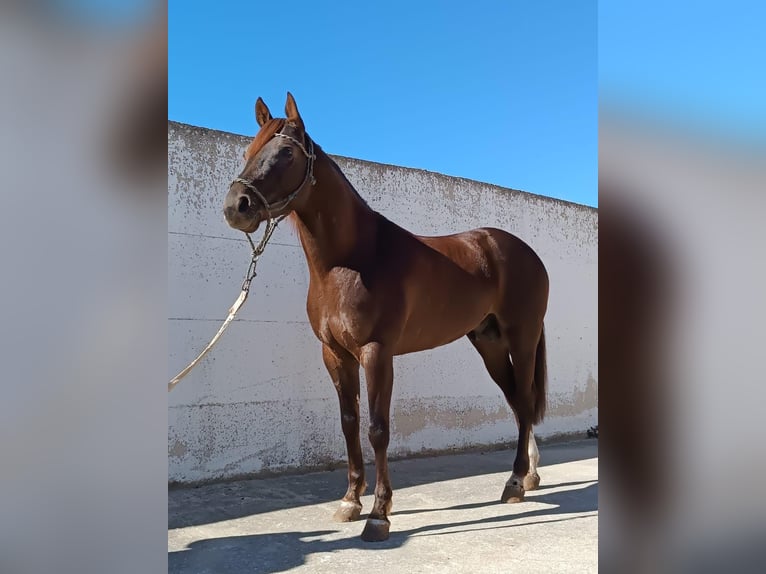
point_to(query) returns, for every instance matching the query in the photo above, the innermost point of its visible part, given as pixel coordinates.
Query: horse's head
(279, 167)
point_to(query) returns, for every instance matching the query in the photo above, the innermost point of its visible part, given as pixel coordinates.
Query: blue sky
(697, 65)
(498, 91)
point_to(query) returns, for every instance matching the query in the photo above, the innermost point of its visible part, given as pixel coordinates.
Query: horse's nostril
(243, 204)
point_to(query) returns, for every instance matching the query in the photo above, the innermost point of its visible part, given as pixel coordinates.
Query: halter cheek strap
(309, 177)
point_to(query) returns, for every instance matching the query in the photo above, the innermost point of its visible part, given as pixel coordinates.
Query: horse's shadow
(278, 552)
(225, 501)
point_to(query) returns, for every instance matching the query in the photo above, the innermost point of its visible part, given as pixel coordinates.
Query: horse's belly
(439, 319)
(419, 341)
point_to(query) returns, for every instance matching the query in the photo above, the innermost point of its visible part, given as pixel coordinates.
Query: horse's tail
(541, 379)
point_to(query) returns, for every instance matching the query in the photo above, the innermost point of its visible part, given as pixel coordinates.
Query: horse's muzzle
(240, 211)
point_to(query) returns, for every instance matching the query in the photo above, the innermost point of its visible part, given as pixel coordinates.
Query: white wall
(262, 401)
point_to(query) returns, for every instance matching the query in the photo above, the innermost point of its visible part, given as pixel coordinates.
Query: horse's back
(494, 251)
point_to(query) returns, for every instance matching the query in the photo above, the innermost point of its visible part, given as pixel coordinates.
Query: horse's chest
(341, 309)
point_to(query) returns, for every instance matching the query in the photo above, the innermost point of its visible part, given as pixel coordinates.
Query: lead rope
(257, 249)
(257, 252)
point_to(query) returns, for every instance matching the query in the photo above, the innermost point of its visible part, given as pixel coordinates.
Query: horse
(377, 291)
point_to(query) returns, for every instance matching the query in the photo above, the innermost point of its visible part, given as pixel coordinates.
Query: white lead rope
(233, 311)
(257, 252)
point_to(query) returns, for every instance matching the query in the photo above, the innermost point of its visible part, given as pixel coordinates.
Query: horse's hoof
(513, 491)
(375, 530)
(531, 481)
(347, 511)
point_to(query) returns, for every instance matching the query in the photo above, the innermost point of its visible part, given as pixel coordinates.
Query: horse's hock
(262, 400)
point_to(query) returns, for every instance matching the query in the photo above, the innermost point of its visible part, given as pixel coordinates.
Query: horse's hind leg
(494, 352)
(344, 371)
(526, 403)
(532, 479)
(516, 381)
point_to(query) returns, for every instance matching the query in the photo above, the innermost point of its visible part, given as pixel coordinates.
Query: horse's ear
(291, 111)
(262, 113)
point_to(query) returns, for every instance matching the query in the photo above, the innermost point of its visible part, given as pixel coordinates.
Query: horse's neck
(334, 223)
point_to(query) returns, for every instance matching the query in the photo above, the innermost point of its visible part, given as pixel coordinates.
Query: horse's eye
(287, 152)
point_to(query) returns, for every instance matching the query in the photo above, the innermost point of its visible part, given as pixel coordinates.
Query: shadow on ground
(192, 506)
(278, 552)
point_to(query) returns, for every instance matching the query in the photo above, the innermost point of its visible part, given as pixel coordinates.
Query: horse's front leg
(344, 371)
(378, 364)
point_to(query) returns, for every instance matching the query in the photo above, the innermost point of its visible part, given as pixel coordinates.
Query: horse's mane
(344, 178)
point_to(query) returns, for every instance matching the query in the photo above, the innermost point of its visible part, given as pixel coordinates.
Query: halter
(279, 205)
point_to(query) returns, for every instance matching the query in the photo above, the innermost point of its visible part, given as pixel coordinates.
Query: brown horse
(376, 291)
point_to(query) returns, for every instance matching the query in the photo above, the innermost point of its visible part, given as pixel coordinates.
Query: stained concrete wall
(262, 401)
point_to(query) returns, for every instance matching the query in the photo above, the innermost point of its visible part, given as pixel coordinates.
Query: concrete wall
(262, 401)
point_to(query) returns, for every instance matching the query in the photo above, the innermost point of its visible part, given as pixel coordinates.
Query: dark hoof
(375, 530)
(513, 491)
(532, 481)
(347, 512)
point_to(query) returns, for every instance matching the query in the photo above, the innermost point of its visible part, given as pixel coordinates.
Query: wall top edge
(183, 127)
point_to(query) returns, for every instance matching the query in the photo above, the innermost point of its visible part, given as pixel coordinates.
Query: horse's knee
(349, 420)
(379, 434)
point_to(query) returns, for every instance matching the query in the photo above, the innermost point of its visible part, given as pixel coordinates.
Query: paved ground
(446, 518)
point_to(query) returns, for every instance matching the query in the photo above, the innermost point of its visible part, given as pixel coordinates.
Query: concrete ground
(446, 518)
